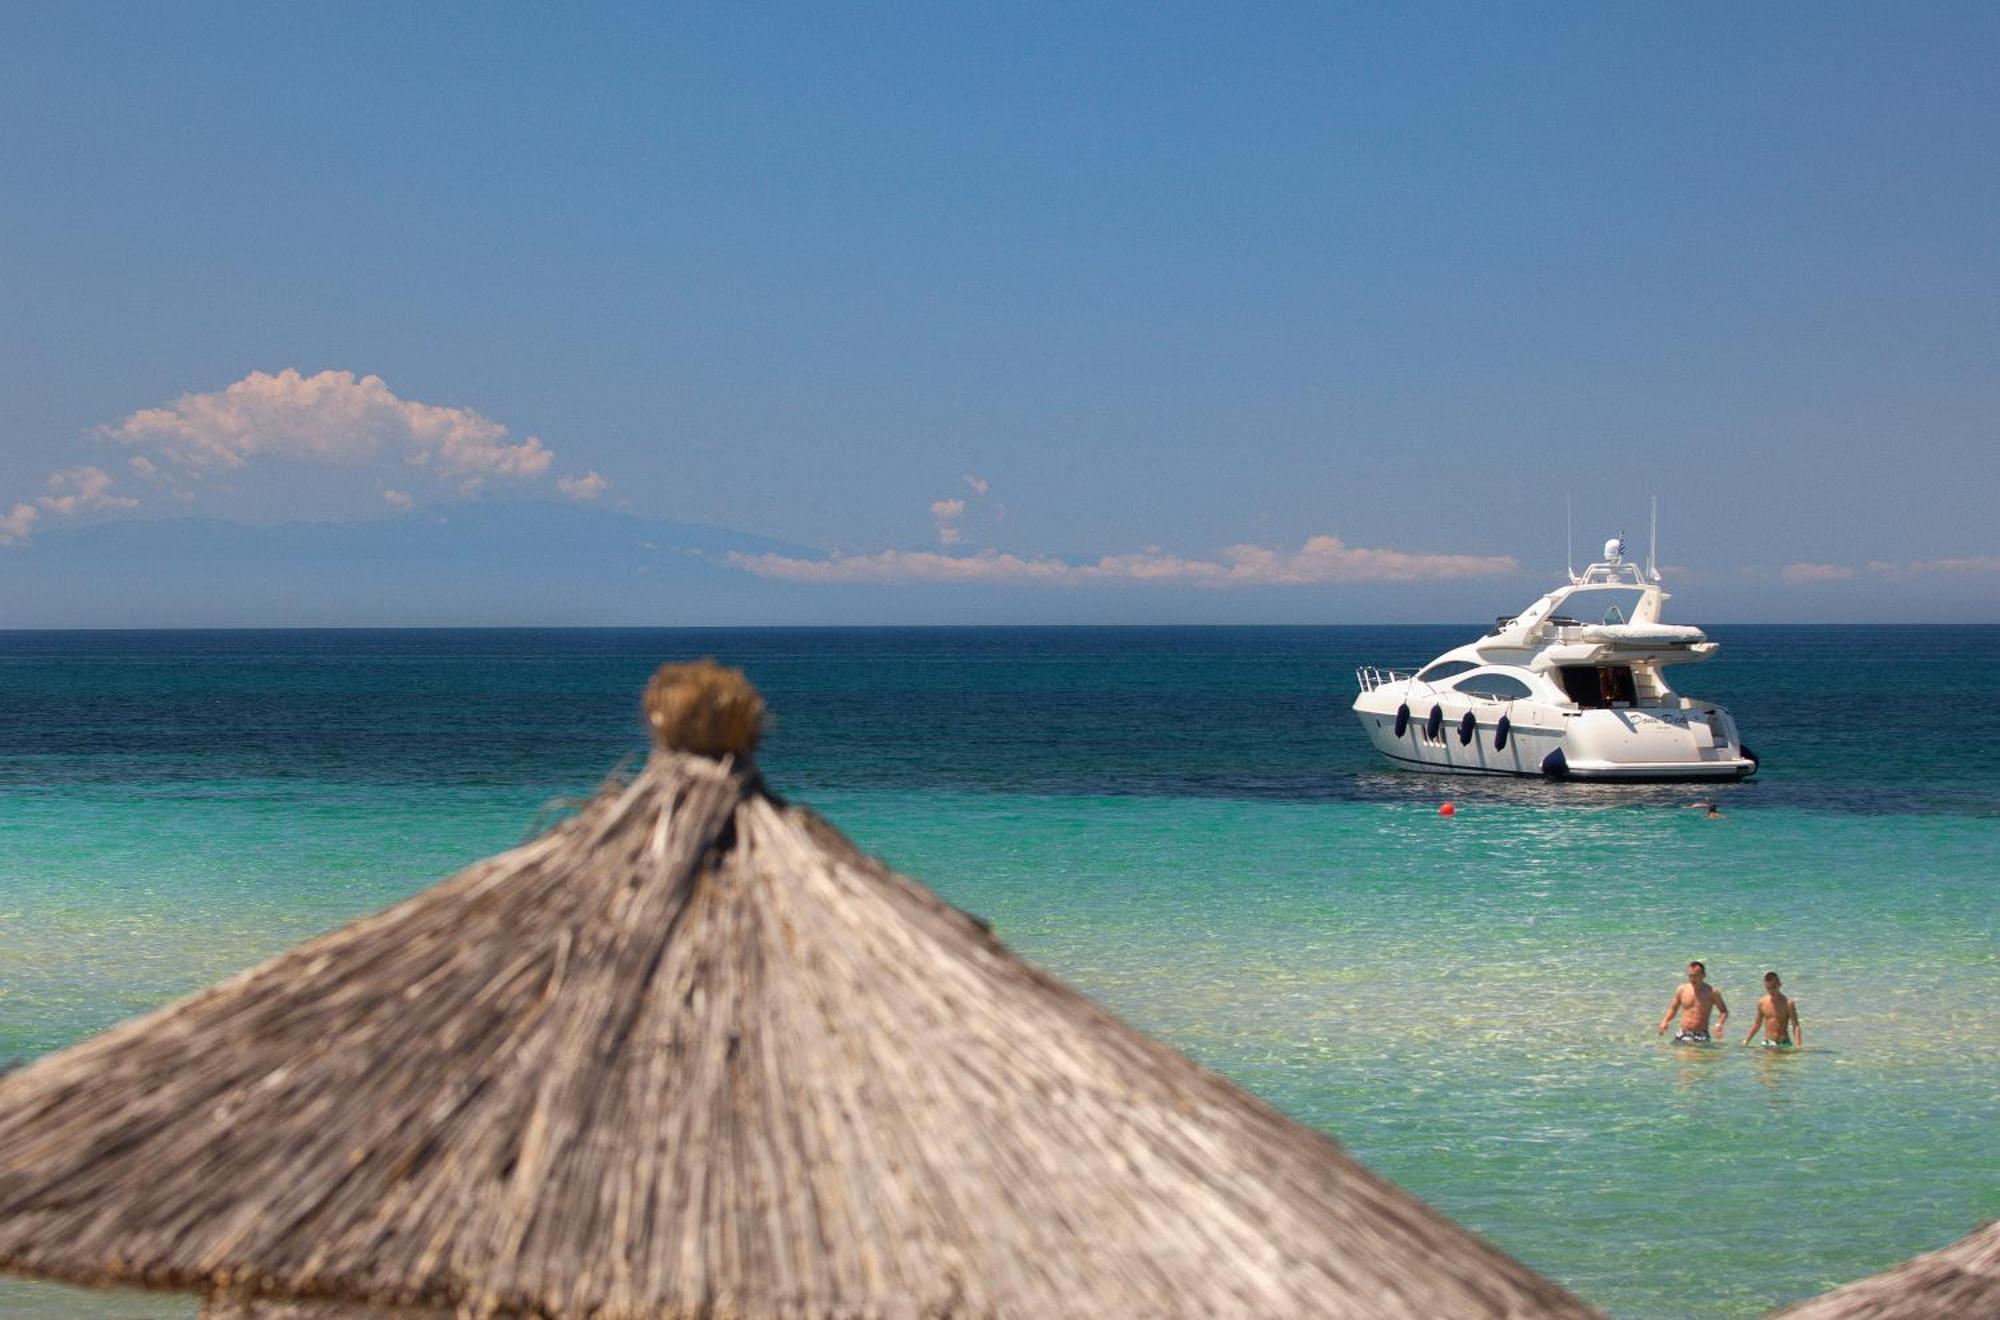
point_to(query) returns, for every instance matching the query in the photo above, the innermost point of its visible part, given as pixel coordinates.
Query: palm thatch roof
(1963, 1279)
(690, 1053)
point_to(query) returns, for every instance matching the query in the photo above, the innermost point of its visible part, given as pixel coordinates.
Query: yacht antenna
(1569, 540)
(1653, 543)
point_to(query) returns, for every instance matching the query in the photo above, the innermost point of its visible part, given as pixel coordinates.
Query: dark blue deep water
(1876, 719)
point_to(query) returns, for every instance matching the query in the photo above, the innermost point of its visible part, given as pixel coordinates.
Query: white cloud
(586, 487)
(1321, 560)
(1810, 573)
(946, 514)
(18, 526)
(70, 492)
(333, 417)
(1327, 558)
(1974, 564)
(80, 489)
(980, 485)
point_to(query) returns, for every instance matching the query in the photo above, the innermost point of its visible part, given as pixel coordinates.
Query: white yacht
(1571, 687)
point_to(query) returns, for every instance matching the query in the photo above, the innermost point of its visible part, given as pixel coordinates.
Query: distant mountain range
(461, 565)
(555, 565)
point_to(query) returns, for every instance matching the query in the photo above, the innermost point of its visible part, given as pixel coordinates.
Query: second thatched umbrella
(692, 1053)
(1961, 1280)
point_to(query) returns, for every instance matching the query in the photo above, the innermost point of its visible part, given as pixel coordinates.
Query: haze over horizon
(1035, 316)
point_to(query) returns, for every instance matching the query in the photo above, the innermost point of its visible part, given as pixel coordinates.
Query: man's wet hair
(1772, 976)
(1699, 963)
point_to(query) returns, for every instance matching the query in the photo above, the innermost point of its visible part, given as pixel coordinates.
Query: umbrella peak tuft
(704, 708)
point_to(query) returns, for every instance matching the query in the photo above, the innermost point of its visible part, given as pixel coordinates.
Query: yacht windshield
(1444, 669)
(1599, 605)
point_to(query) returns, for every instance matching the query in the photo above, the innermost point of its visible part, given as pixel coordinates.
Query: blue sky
(1298, 313)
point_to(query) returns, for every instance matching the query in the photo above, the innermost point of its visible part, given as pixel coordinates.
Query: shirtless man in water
(1694, 1002)
(1778, 1015)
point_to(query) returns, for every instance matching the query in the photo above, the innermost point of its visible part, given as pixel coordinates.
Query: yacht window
(1601, 604)
(1444, 669)
(1500, 687)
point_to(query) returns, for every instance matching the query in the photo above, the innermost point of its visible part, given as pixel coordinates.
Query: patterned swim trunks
(1691, 1038)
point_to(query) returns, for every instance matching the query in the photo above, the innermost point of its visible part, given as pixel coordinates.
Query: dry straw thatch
(689, 1054)
(1962, 1280)
(223, 1306)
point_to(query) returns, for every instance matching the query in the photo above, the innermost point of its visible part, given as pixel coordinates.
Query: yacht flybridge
(1571, 687)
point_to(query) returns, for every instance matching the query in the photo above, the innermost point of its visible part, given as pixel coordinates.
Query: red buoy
(1447, 810)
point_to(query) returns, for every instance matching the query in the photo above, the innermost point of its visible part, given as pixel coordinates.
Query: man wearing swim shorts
(1778, 1015)
(1694, 1002)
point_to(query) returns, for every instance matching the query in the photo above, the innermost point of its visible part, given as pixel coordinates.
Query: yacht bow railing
(1370, 678)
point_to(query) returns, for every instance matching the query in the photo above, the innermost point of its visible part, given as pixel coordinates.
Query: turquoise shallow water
(1185, 825)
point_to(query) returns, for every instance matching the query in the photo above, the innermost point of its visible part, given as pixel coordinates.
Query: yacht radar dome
(1614, 550)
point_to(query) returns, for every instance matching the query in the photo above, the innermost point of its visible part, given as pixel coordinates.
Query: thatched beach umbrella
(1963, 1279)
(691, 1053)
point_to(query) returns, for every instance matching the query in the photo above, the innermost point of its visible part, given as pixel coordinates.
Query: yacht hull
(1626, 746)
